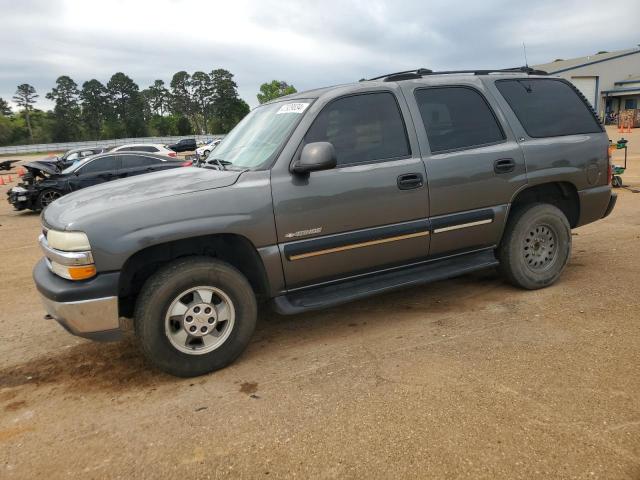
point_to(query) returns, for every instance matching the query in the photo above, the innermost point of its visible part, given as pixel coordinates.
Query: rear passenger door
(474, 164)
(367, 213)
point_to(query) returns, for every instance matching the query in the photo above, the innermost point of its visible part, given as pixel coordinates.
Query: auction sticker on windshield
(292, 108)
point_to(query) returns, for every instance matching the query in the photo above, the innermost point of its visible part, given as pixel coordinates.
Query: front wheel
(194, 316)
(47, 197)
(535, 247)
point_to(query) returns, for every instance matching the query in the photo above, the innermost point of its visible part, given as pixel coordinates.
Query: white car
(205, 149)
(145, 147)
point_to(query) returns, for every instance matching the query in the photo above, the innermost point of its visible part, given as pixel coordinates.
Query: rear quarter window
(547, 107)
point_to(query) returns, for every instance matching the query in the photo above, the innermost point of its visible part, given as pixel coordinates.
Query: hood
(124, 194)
(45, 166)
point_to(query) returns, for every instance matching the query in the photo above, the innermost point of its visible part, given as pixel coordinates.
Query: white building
(611, 80)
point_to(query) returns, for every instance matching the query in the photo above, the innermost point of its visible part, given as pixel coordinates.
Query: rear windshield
(548, 107)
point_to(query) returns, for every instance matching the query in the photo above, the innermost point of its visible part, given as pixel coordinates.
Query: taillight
(186, 164)
(609, 167)
(172, 154)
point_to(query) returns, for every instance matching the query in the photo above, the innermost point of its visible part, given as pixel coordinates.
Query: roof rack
(421, 72)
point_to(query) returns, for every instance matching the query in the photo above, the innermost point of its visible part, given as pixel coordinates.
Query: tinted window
(132, 161)
(548, 108)
(72, 156)
(457, 117)
(362, 128)
(102, 164)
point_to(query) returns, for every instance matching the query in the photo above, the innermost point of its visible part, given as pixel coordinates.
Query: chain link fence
(60, 147)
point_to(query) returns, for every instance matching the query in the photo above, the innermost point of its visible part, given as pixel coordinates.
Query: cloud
(306, 43)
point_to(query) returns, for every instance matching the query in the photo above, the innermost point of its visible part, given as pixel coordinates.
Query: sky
(308, 44)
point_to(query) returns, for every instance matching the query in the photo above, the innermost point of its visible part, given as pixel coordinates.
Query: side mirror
(316, 156)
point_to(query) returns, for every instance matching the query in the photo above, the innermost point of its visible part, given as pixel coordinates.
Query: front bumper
(20, 198)
(87, 308)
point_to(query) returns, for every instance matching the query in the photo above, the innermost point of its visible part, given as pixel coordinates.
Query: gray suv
(328, 196)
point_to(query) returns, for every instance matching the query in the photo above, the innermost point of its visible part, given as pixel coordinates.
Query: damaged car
(72, 156)
(44, 183)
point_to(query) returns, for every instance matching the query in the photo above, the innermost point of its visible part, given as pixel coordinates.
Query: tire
(616, 181)
(46, 197)
(164, 338)
(535, 247)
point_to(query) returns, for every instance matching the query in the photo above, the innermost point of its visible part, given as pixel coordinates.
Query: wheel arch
(234, 249)
(563, 195)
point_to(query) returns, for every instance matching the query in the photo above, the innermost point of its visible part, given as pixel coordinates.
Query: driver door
(99, 170)
(368, 213)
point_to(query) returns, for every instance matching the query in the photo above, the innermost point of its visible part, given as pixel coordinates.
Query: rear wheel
(47, 197)
(195, 316)
(535, 247)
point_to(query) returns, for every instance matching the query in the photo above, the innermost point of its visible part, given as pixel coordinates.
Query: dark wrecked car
(44, 182)
(73, 156)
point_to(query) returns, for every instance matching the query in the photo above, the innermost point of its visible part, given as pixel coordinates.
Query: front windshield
(254, 141)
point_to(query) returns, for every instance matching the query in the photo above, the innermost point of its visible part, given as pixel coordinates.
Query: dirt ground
(467, 378)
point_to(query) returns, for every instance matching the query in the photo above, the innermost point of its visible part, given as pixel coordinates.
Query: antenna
(524, 50)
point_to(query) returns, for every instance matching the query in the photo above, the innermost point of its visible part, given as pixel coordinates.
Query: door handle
(504, 165)
(409, 181)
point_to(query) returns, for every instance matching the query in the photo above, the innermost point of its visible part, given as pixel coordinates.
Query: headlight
(68, 254)
(68, 241)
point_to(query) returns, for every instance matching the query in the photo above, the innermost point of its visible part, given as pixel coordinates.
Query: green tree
(95, 107)
(5, 109)
(127, 105)
(67, 109)
(183, 126)
(6, 130)
(227, 107)
(274, 89)
(181, 101)
(158, 97)
(202, 92)
(25, 97)
(163, 125)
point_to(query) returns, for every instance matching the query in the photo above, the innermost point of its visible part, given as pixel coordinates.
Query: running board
(316, 298)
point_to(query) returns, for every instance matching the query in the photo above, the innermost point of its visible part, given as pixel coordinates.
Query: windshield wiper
(218, 161)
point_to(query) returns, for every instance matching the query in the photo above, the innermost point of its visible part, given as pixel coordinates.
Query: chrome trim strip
(358, 245)
(463, 225)
(64, 258)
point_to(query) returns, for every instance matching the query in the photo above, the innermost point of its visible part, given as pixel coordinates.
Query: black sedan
(43, 183)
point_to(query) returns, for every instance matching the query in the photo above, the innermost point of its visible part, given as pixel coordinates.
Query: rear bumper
(612, 204)
(87, 309)
(595, 203)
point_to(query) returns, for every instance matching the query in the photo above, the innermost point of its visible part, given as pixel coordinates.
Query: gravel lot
(467, 378)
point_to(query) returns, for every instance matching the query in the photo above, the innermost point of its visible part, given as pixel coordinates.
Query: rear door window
(548, 107)
(362, 128)
(102, 164)
(457, 118)
(136, 161)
